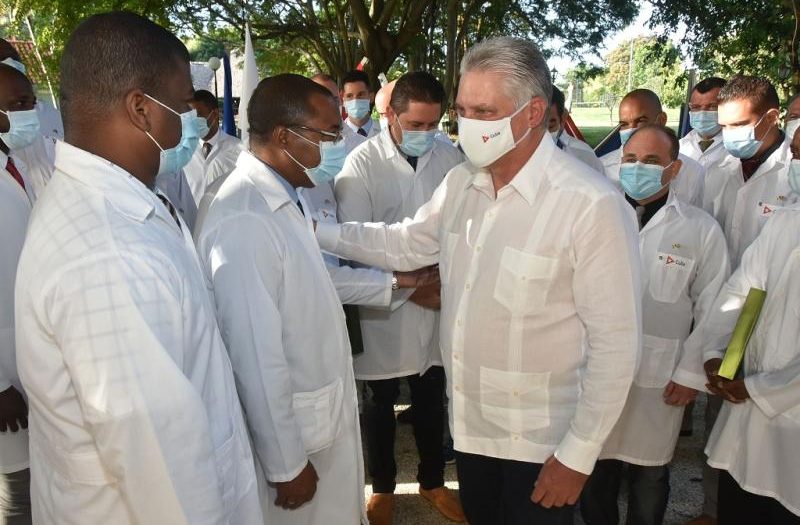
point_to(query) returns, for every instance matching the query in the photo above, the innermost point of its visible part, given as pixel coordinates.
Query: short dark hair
(559, 101)
(8, 51)
(110, 54)
(323, 77)
(356, 76)
(207, 98)
(758, 90)
(646, 95)
(419, 86)
(282, 100)
(675, 145)
(707, 84)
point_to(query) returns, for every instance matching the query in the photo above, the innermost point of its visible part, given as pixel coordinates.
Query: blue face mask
(16, 64)
(641, 181)
(416, 143)
(202, 127)
(794, 176)
(704, 122)
(174, 159)
(625, 134)
(358, 108)
(23, 128)
(331, 160)
(741, 142)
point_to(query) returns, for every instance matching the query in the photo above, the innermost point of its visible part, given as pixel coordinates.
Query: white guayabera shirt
(134, 415)
(201, 171)
(540, 303)
(756, 441)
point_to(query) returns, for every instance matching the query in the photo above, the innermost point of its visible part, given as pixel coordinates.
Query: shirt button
(468, 287)
(459, 322)
(458, 388)
(515, 437)
(478, 248)
(522, 277)
(516, 393)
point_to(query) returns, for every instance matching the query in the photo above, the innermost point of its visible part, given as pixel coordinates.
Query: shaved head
(327, 82)
(384, 97)
(641, 107)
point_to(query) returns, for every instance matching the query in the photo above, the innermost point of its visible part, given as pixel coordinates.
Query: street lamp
(214, 64)
(553, 73)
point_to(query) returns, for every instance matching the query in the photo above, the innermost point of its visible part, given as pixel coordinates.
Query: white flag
(249, 83)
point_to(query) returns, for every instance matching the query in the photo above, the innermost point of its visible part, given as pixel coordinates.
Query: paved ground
(685, 501)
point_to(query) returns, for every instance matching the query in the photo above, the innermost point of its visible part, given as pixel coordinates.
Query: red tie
(12, 169)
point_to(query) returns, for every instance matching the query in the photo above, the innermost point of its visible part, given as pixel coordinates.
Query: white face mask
(791, 127)
(384, 122)
(485, 141)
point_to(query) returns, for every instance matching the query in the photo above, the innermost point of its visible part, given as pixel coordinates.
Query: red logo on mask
(485, 139)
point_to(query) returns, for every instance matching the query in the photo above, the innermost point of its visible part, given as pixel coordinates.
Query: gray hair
(518, 61)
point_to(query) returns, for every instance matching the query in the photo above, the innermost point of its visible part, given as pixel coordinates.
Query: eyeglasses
(334, 137)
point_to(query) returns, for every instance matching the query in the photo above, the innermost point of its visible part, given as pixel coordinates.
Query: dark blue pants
(739, 507)
(498, 492)
(647, 494)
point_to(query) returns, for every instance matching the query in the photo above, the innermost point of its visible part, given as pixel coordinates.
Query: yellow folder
(741, 334)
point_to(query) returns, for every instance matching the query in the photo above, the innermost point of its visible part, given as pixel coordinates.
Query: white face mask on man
(485, 141)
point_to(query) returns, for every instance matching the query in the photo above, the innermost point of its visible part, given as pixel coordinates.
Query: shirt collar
(274, 188)
(125, 192)
(214, 140)
(367, 127)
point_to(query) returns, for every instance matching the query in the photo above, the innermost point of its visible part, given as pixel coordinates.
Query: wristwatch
(395, 282)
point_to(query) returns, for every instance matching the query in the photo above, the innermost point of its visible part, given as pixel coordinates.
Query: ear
(661, 119)
(675, 169)
(280, 135)
(538, 113)
(138, 109)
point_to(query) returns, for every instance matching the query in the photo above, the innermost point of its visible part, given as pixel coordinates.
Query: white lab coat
(202, 171)
(742, 208)
(134, 416)
(15, 208)
(37, 163)
(351, 139)
(373, 130)
(684, 265)
(285, 331)
(709, 158)
(756, 441)
(377, 184)
(688, 186)
(581, 151)
(177, 190)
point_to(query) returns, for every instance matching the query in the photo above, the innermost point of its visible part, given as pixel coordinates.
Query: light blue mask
(641, 181)
(741, 142)
(331, 160)
(16, 64)
(704, 122)
(358, 108)
(23, 128)
(173, 159)
(794, 176)
(202, 127)
(416, 143)
(625, 134)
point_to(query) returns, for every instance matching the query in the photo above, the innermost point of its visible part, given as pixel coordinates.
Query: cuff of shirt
(283, 477)
(696, 381)
(712, 354)
(751, 384)
(328, 236)
(578, 454)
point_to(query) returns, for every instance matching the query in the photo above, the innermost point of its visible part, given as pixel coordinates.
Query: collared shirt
(712, 156)
(751, 165)
(580, 150)
(134, 414)
(684, 265)
(646, 212)
(755, 441)
(371, 127)
(549, 262)
(377, 184)
(201, 171)
(688, 186)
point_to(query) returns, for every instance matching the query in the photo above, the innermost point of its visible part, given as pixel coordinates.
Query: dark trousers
(498, 492)
(648, 494)
(739, 507)
(15, 498)
(428, 413)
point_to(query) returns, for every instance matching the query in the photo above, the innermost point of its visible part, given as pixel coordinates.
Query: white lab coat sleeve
(405, 246)
(777, 391)
(244, 260)
(712, 272)
(114, 316)
(605, 263)
(362, 286)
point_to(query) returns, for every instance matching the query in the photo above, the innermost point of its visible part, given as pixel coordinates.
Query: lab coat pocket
(669, 276)
(448, 247)
(524, 280)
(515, 401)
(318, 415)
(227, 464)
(657, 361)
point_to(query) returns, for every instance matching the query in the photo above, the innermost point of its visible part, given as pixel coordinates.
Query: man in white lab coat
(754, 441)
(387, 179)
(279, 312)
(641, 107)
(357, 97)
(566, 142)
(752, 182)
(134, 416)
(684, 264)
(217, 151)
(540, 305)
(351, 138)
(18, 130)
(704, 142)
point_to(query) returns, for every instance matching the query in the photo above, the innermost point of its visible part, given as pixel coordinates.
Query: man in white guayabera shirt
(540, 301)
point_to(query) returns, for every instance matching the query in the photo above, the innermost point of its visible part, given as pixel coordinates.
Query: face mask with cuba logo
(485, 141)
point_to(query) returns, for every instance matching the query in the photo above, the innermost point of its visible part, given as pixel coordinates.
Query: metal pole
(630, 67)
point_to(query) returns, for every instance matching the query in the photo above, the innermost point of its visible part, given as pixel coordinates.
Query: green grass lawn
(596, 123)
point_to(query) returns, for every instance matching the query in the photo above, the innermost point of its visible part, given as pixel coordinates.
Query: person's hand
(293, 494)
(427, 276)
(733, 390)
(428, 297)
(678, 395)
(13, 411)
(557, 485)
(712, 374)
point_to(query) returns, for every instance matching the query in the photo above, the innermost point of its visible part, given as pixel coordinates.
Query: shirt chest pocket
(318, 414)
(515, 401)
(669, 276)
(657, 361)
(524, 280)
